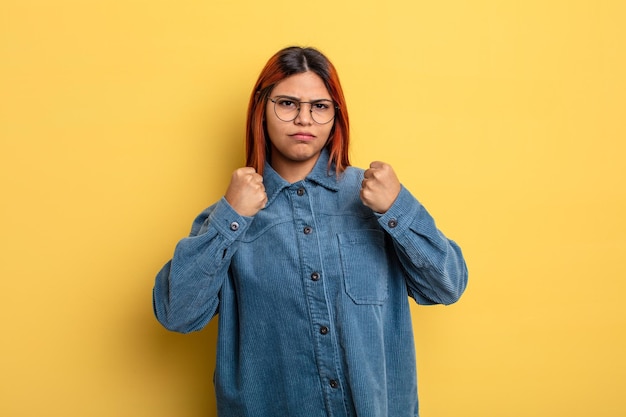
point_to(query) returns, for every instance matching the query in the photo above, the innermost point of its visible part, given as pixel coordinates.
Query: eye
(287, 103)
(322, 106)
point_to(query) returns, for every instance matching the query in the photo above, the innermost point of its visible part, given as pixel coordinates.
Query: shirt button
(333, 383)
(300, 192)
(392, 223)
(308, 230)
(324, 330)
(234, 226)
(315, 276)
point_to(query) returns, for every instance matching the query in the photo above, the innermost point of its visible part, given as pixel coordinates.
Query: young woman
(309, 262)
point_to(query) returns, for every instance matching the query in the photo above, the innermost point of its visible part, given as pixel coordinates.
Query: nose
(304, 116)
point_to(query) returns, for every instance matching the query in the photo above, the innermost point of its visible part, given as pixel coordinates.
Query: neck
(292, 171)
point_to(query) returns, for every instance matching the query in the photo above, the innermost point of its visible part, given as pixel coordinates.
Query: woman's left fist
(380, 187)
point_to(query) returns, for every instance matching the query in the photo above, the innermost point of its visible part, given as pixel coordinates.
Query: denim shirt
(312, 297)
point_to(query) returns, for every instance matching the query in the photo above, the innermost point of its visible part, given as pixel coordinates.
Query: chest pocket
(364, 264)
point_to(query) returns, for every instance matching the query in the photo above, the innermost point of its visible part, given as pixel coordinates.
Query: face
(296, 145)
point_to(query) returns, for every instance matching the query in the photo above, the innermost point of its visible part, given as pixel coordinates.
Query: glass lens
(322, 111)
(286, 109)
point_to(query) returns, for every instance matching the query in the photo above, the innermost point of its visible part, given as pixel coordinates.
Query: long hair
(285, 63)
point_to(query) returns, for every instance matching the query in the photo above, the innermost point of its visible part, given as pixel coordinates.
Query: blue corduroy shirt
(312, 297)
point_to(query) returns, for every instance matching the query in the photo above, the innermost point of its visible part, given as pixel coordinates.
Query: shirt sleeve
(436, 272)
(186, 290)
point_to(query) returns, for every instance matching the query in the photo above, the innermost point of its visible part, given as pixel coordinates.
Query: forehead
(306, 85)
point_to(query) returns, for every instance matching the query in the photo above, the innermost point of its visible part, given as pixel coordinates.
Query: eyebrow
(300, 100)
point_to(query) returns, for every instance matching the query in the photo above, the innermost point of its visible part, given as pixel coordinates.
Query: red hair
(285, 63)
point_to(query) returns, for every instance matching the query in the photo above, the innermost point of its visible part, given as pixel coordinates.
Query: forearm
(186, 290)
(434, 265)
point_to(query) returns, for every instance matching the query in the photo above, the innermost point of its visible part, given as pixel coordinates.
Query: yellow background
(120, 120)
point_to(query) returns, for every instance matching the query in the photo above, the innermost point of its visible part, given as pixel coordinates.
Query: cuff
(227, 221)
(401, 213)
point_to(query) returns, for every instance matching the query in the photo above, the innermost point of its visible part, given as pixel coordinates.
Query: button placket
(310, 253)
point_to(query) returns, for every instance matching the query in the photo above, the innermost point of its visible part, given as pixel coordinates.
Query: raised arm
(436, 272)
(186, 290)
(435, 268)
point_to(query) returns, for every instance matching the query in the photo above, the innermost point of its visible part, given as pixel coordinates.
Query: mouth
(303, 136)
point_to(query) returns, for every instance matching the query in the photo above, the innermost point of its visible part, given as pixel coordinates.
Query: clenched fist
(380, 187)
(246, 192)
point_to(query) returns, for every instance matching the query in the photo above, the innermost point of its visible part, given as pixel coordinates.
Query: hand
(246, 192)
(380, 187)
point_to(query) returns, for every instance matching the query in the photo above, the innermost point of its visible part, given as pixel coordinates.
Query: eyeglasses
(288, 108)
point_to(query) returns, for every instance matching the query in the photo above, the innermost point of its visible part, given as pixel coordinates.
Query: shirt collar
(321, 174)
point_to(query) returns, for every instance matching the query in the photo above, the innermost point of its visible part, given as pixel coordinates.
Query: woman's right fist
(246, 192)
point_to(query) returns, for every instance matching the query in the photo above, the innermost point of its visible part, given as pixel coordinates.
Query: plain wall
(121, 120)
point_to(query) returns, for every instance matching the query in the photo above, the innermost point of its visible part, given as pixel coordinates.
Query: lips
(303, 136)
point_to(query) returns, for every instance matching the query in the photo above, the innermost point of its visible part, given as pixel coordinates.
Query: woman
(309, 263)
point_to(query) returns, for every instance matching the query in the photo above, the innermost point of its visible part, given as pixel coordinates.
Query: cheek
(328, 131)
(272, 129)
(271, 121)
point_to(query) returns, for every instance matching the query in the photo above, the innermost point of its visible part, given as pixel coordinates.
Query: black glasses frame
(299, 106)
